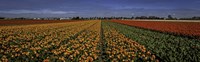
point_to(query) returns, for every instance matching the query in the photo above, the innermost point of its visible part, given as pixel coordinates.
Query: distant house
(37, 18)
(65, 18)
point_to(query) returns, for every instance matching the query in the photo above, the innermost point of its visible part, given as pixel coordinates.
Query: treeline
(2, 17)
(100, 18)
(109, 18)
(23, 18)
(103, 18)
(193, 18)
(138, 17)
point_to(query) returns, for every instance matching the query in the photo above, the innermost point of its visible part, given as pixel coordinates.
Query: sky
(99, 8)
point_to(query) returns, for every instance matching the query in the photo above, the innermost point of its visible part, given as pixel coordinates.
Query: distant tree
(2, 17)
(76, 18)
(195, 18)
(20, 18)
(141, 17)
(170, 17)
(132, 17)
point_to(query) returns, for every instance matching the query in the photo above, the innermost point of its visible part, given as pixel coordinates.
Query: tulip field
(94, 41)
(26, 22)
(173, 27)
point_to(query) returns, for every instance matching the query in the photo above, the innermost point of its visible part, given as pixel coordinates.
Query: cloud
(36, 12)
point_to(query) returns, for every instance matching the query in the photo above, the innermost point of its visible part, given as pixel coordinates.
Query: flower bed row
(120, 48)
(167, 47)
(179, 28)
(37, 42)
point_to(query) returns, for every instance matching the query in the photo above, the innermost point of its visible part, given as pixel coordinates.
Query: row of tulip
(37, 42)
(86, 41)
(167, 47)
(120, 48)
(82, 48)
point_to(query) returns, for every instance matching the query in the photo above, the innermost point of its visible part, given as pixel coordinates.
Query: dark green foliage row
(168, 48)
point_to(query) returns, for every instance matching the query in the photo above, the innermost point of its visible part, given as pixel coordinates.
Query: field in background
(166, 20)
(96, 40)
(180, 28)
(26, 22)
